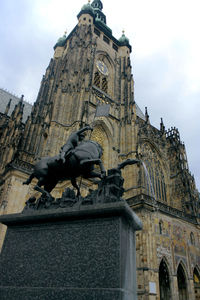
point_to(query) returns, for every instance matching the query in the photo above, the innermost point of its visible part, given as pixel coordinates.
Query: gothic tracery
(154, 181)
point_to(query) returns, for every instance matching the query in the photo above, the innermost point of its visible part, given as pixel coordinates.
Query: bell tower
(90, 68)
(87, 82)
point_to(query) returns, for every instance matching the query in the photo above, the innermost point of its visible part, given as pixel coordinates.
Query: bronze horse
(51, 170)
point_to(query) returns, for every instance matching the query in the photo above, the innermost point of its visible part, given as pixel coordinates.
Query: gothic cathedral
(91, 69)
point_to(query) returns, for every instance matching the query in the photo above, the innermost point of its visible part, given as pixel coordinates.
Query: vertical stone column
(191, 294)
(174, 288)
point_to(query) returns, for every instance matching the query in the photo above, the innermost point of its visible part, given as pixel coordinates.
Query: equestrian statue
(76, 158)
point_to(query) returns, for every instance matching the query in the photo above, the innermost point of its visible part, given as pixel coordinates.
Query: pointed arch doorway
(164, 281)
(182, 283)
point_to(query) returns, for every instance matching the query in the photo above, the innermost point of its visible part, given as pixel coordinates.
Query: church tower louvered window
(101, 82)
(97, 79)
(105, 85)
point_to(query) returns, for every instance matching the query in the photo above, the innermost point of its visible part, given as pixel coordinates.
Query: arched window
(164, 281)
(196, 278)
(97, 79)
(154, 179)
(182, 284)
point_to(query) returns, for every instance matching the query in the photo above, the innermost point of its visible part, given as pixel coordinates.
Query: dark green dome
(88, 8)
(61, 41)
(124, 40)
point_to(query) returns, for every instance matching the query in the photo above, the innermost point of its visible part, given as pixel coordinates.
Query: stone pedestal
(85, 253)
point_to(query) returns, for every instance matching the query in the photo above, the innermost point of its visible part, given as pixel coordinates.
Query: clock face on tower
(102, 67)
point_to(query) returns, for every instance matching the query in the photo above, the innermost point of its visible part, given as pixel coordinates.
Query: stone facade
(91, 67)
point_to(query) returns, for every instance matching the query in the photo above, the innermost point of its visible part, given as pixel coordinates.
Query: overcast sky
(165, 39)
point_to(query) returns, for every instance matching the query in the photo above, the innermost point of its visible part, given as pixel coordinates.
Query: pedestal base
(70, 254)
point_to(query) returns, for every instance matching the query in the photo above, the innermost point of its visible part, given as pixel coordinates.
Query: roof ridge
(13, 95)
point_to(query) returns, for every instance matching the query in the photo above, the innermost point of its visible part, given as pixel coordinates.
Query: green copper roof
(87, 7)
(97, 4)
(95, 10)
(99, 15)
(124, 41)
(102, 26)
(61, 41)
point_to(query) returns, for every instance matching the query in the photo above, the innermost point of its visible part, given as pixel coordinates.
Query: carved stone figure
(79, 162)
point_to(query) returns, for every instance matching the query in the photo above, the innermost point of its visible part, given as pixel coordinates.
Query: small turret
(86, 9)
(8, 107)
(146, 116)
(17, 113)
(162, 127)
(124, 41)
(61, 41)
(59, 46)
(21, 99)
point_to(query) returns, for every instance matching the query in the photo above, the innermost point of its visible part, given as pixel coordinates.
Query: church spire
(146, 116)
(162, 126)
(8, 107)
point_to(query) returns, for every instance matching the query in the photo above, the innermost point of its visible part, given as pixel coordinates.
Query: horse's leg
(28, 181)
(38, 188)
(95, 161)
(50, 186)
(75, 185)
